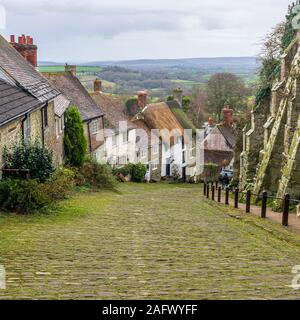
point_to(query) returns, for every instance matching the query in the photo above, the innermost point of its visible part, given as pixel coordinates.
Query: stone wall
(271, 151)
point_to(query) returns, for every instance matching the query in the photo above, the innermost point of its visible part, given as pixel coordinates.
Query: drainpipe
(89, 133)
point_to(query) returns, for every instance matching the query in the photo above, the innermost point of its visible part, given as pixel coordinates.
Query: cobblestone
(146, 242)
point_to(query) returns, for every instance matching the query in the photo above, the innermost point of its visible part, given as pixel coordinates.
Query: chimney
(26, 48)
(228, 116)
(177, 95)
(142, 99)
(97, 85)
(211, 122)
(70, 68)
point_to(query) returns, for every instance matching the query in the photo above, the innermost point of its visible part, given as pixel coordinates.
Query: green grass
(80, 69)
(146, 241)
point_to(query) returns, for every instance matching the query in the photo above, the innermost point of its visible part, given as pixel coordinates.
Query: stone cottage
(30, 106)
(92, 115)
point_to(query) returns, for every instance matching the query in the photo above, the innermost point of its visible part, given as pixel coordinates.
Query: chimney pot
(28, 40)
(12, 38)
(177, 95)
(20, 40)
(210, 121)
(228, 116)
(142, 99)
(70, 68)
(97, 85)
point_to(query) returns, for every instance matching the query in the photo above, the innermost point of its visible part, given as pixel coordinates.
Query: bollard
(219, 194)
(217, 185)
(248, 201)
(204, 189)
(236, 198)
(264, 205)
(227, 196)
(207, 191)
(286, 207)
(213, 193)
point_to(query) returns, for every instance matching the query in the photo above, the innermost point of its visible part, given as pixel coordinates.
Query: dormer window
(95, 127)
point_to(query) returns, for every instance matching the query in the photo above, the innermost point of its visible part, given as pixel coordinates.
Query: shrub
(29, 156)
(22, 195)
(97, 175)
(211, 172)
(74, 140)
(136, 171)
(60, 184)
(27, 196)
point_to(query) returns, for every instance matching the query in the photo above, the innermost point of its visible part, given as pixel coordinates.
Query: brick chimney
(142, 99)
(177, 94)
(71, 68)
(228, 116)
(211, 121)
(26, 48)
(97, 85)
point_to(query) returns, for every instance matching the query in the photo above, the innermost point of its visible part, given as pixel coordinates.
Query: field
(59, 68)
(146, 241)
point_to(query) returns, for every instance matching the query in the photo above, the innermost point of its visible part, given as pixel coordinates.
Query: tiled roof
(74, 91)
(61, 104)
(114, 110)
(14, 102)
(229, 134)
(24, 74)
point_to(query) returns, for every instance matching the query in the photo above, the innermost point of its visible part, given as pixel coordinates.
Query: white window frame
(27, 127)
(125, 137)
(94, 127)
(154, 165)
(155, 149)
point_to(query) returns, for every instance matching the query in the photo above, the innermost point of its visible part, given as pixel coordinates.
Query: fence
(210, 189)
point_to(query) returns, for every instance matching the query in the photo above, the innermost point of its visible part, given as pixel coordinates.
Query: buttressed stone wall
(271, 151)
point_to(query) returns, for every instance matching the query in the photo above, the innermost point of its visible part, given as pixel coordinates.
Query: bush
(136, 171)
(211, 172)
(27, 196)
(29, 156)
(96, 174)
(60, 184)
(22, 195)
(74, 140)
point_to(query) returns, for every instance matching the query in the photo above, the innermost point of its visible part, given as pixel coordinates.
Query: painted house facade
(119, 148)
(29, 105)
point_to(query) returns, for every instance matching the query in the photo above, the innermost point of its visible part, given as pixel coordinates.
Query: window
(27, 128)
(114, 140)
(95, 128)
(155, 149)
(45, 116)
(154, 165)
(122, 160)
(143, 153)
(62, 123)
(125, 137)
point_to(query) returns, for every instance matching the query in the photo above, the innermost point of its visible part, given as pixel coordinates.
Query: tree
(74, 141)
(225, 89)
(198, 111)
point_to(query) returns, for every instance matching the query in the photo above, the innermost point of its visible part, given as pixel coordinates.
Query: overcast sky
(91, 30)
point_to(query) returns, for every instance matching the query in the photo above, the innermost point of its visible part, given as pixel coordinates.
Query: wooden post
(286, 207)
(207, 191)
(217, 185)
(248, 201)
(213, 193)
(236, 198)
(227, 196)
(219, 194)
(204, 189)
(264, 205)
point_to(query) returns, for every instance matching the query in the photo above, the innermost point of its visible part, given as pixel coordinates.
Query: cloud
(81, 27)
